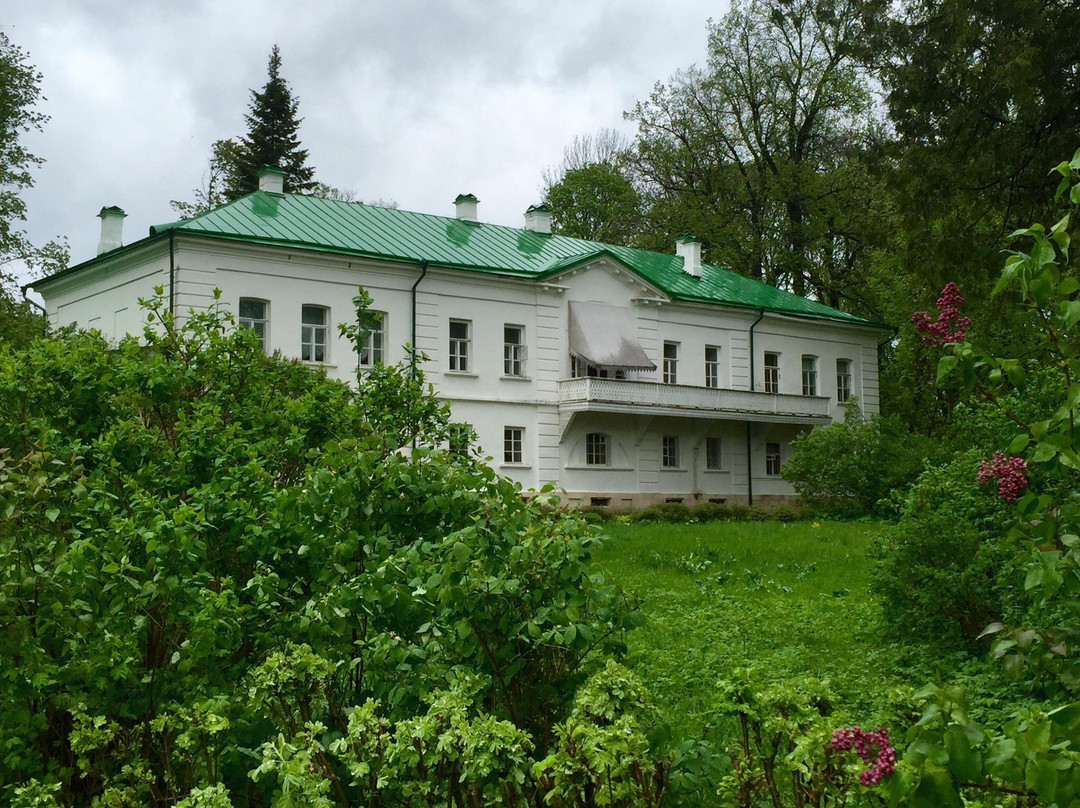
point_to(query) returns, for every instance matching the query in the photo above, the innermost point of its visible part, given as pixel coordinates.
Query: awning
(604, 336)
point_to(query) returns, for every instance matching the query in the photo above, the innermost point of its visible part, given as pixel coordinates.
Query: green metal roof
(367, 230)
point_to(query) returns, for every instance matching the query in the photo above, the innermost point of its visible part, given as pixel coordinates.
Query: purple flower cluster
(872, 748)
(949, 326)
(1008, 471)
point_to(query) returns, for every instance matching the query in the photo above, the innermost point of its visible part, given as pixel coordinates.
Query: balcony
(651, 398)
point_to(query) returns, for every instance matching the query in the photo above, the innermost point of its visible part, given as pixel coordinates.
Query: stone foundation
(624, 503)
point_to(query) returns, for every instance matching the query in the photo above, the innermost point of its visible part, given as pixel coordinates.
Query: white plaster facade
(554, 411)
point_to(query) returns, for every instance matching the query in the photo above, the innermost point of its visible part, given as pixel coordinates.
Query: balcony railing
(617, 395)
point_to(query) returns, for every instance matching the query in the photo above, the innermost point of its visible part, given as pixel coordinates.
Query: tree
(271, 139)
(605, 146)
(982, 96)
(20, 91)
(595, 202)
(759, 153)
(224, 157)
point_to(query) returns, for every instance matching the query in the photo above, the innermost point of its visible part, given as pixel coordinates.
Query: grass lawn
(787, 599)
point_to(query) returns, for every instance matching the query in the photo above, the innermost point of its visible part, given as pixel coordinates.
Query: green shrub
(942, 570)
(663, 512)
(206, 551)
(849, 468)
(596, 514)
(711, 512)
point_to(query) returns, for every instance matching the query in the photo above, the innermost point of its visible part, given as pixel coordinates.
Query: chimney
(271, 180)
(538, 218)
(466, 207)
(112, 229)
(688, 248)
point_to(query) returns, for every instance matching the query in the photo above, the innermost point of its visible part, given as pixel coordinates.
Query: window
(371, 346)
(670, 459)
(809, 375)
(772, 459)
(843, 380)
(254, 315)
(513, 350)
(671, 362)
(712, 366)
(313, 321)
(772, 373)
(460, 338)
(596, 449)
(512, 444)
(714, 458)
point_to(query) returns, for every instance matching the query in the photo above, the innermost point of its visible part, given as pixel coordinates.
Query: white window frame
(254, 322)
(772, 372)
(459, 347)
(597, 449)
(714, 454)
(514, 352)
(671, 362)
(773, 460)
(669, 452)
(373, 345)
(809, 375)
(843, 380)
(513, 445)
(712, 366)
(314, 335)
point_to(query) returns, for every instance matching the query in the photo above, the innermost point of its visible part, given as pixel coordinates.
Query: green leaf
(1069, 312)
(1041, 776)
(1002, 760)
(946, 364)
(52, 514)
(964, 763)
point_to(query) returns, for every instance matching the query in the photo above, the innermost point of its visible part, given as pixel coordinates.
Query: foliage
(851, 466)
(209, 554)
(224, 157)
(1031, 754)
(20, 92)
(982, 97)
(758, 152)
(595, 202)
(780, 755)
(941, 570)
(603, 756)
(271, 139)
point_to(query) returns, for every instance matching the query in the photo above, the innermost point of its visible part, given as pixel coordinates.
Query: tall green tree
(272, 139)
(20, 92)
(983, 96)
(753, 151)
(596, 202)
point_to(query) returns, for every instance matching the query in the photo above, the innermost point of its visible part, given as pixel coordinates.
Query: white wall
(104, 296)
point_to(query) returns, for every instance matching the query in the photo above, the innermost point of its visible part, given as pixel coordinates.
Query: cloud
(409, 100)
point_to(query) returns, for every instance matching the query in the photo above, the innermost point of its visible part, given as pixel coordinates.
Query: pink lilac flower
(872, 748)
(950, 326)
(1008, 471)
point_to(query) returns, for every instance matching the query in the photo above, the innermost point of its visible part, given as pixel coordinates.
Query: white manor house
(626, 377)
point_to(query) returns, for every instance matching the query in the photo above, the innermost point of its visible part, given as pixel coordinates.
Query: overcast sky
(401, 99)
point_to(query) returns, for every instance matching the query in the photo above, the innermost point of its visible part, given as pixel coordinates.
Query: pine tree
(271, 139)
